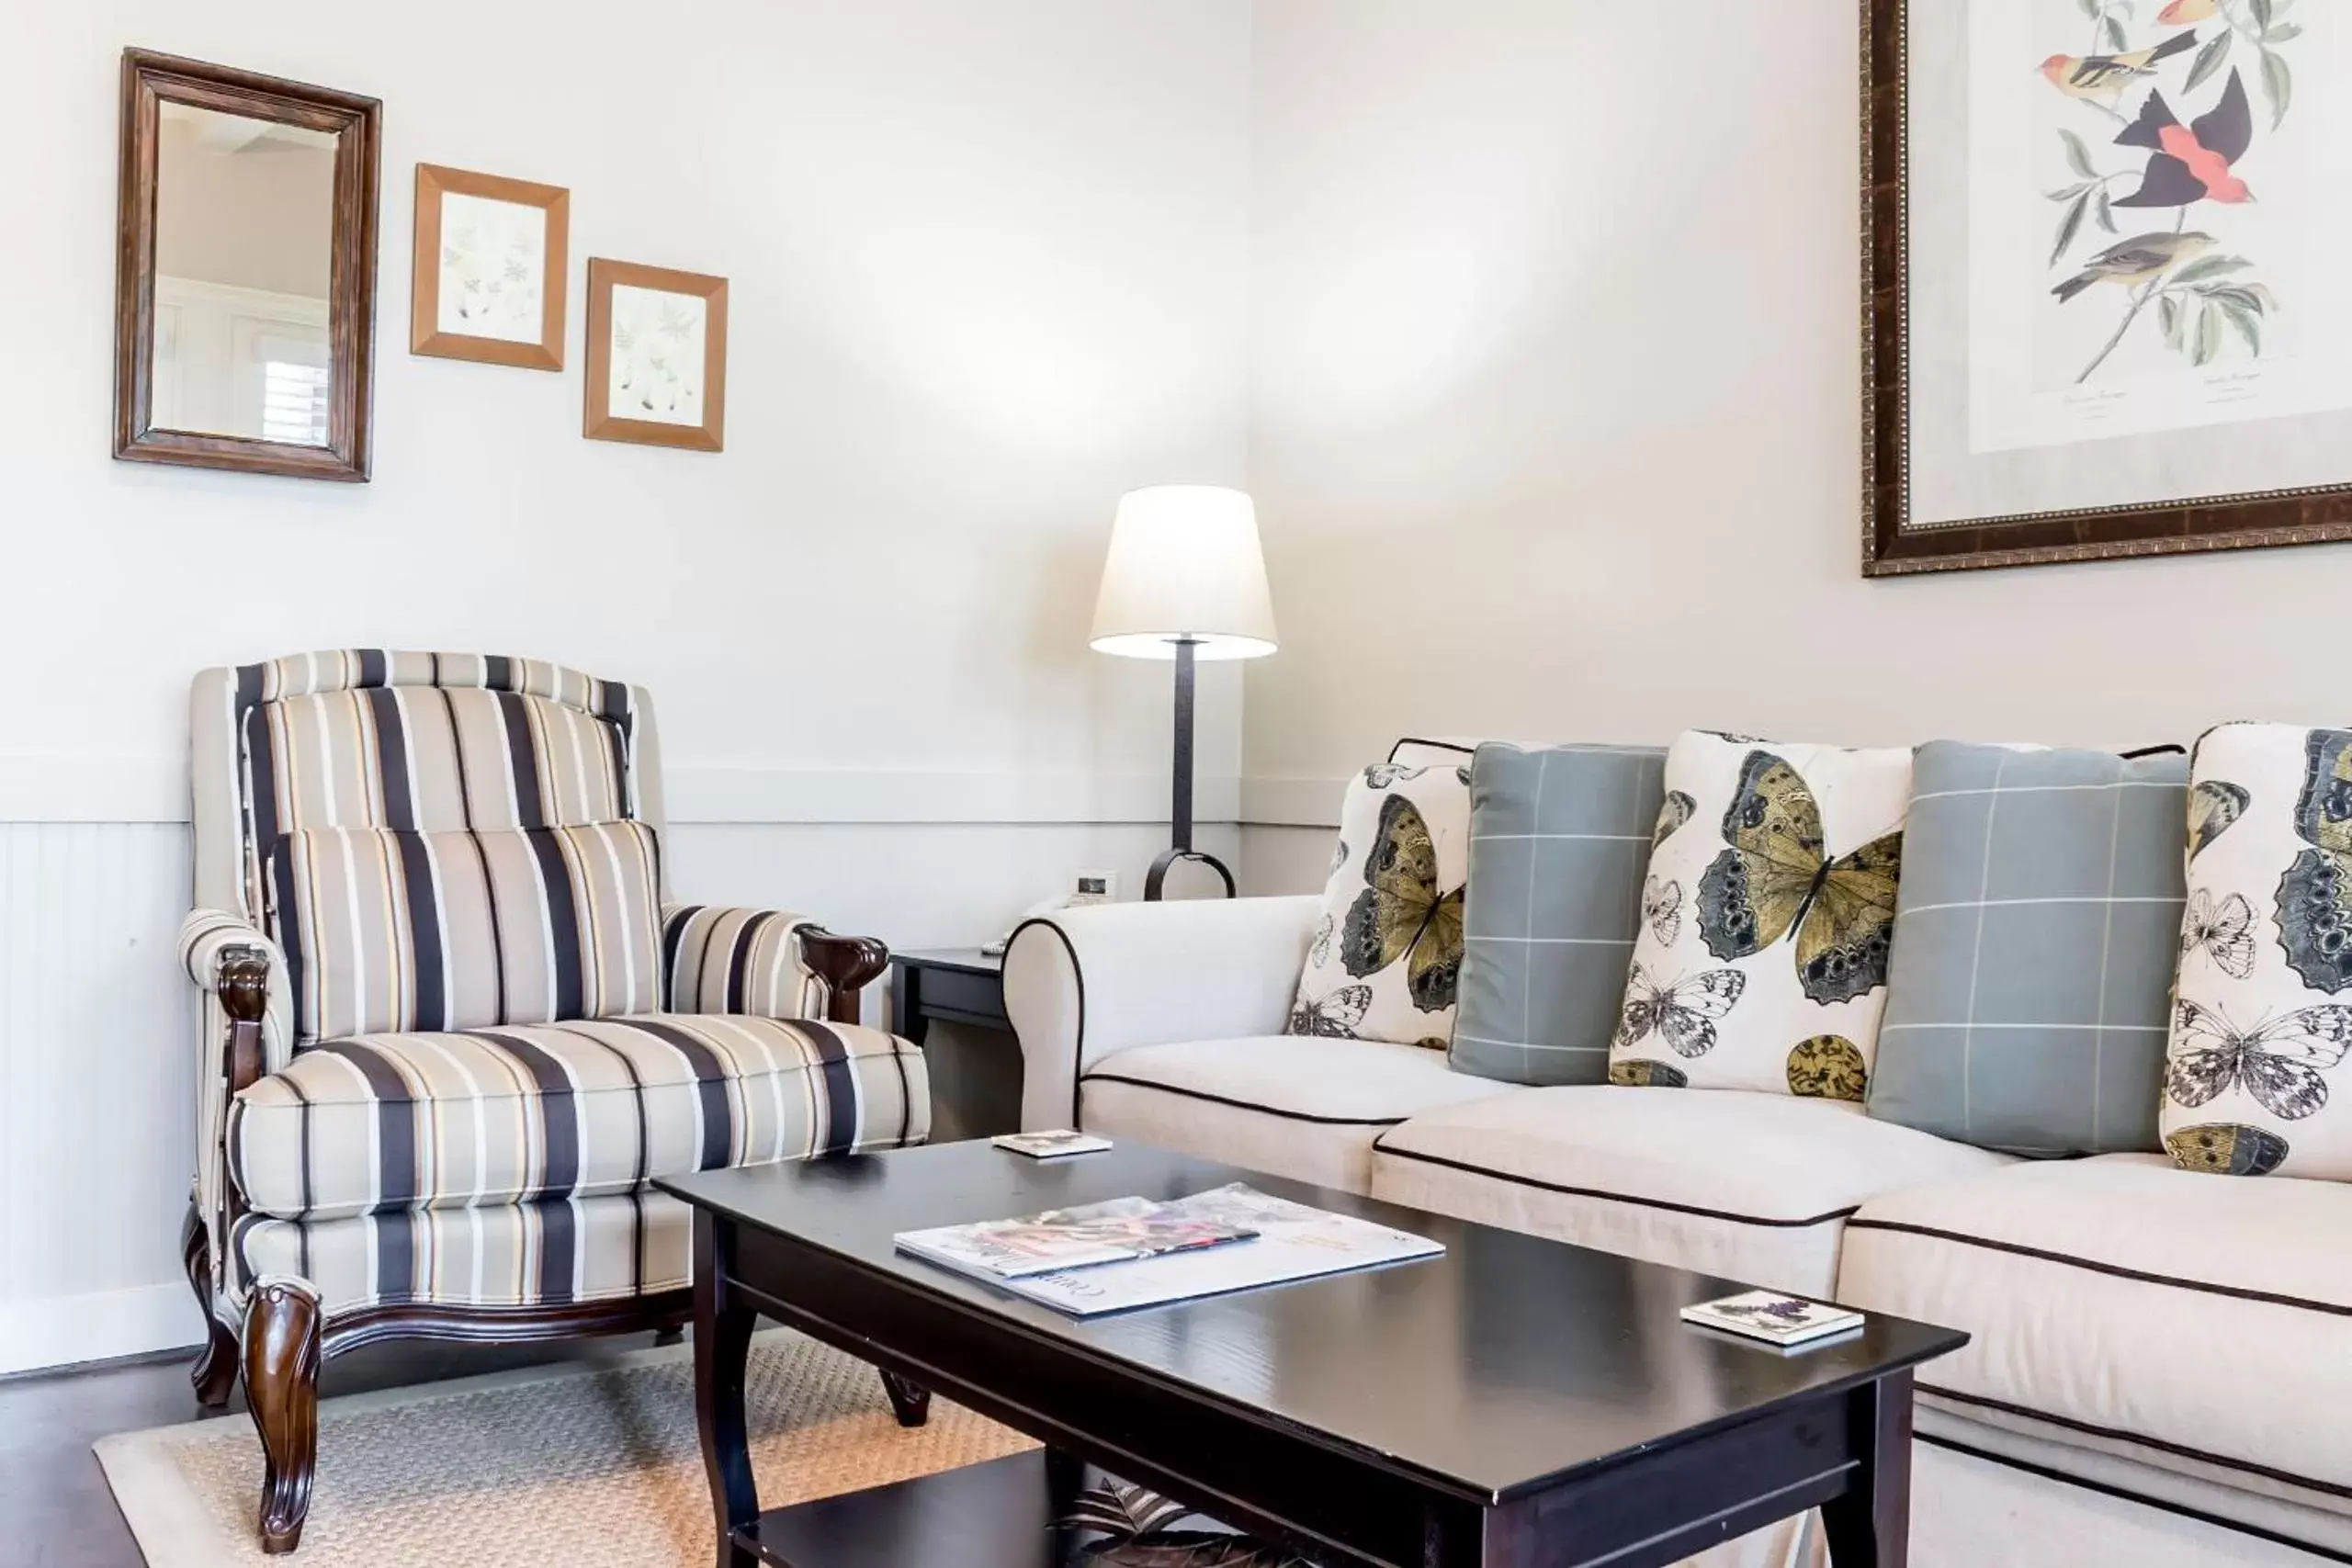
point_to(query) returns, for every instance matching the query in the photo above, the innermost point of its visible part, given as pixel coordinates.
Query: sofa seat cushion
(554, 1253)
(1753, 1187)
(380, 1124)
(1295, 1105)
(2123, 1306)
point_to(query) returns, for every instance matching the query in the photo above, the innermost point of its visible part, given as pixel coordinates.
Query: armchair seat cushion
(384, 1124)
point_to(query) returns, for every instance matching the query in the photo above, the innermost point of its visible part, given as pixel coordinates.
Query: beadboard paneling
(97, 1083)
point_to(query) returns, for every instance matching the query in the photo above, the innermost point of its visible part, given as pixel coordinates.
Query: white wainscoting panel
(96, 1073)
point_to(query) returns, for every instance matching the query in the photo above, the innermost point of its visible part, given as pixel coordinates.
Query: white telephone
(1092, 888)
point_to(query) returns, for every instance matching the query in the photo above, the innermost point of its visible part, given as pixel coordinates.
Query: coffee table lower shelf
(996, 1515)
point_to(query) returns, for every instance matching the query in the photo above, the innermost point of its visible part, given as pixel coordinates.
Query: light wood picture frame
(657, 356)
(491, 269)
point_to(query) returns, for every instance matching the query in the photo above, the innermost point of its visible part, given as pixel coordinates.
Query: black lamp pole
(1181, 814)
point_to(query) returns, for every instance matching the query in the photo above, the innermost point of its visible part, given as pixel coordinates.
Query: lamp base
(1155, 881)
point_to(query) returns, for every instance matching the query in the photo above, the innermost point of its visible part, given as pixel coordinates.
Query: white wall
(1555, 424)
(987, 268)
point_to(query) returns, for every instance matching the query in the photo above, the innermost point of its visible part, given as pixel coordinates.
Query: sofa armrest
(1083, 983)
(763, 963)
(243, 975)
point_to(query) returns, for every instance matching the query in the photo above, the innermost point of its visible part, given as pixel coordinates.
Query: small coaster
(1060, 1143)
(1773, 1318)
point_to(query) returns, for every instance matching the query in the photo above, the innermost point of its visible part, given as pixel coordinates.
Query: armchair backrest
(408, 741)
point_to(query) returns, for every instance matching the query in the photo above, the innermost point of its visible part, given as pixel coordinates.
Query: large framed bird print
(2108, 303)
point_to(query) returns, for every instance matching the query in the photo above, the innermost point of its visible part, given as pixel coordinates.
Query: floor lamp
(1185, 581)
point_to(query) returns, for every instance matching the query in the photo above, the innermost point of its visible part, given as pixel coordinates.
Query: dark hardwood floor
(56, 1511)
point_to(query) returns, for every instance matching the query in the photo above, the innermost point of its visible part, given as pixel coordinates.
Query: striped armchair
(453, 1027)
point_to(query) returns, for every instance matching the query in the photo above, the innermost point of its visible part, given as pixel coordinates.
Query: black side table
(975, 1066)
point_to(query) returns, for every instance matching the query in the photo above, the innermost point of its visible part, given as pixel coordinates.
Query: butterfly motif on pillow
(1662, 909)
(1333, 1017)
(1674, 811)
(1320, 953)
(1381, 776)
(1777, 879)
(2222, 1149)
(2316, 895)
(1682, 1014)
(1401, 915)
(2214, 805)
(2279, 1061)
(2224, 934)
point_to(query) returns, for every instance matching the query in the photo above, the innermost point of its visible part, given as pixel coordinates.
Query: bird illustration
(2183, 13)
(2135, 259)
(2192, 161)
(2099, 76)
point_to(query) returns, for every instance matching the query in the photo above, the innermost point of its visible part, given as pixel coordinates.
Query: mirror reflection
(245, 239)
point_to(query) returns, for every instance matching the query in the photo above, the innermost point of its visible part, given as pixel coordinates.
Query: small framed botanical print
(657, 356)
(488, 283)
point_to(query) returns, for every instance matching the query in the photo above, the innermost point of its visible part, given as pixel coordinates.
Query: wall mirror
(245, 277)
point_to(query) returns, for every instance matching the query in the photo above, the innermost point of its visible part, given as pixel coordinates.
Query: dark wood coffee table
(1515, 1404)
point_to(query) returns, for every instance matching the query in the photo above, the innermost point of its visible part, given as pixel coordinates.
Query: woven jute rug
(588, 1465)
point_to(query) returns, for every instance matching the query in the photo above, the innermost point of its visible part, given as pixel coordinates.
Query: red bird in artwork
(2192, 161)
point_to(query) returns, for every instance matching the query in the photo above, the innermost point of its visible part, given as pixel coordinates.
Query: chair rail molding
(37, 787)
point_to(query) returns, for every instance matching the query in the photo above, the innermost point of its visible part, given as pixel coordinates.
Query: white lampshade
(1184, 566)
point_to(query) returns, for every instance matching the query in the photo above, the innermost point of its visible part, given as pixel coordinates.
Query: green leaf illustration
(2209, 59)
(2282, 33)
(2204, 267)
(2090, 8)
(2248, 325)
(2206, 342)
(2072, 191)
(2168, 314)
(2078, 156)
(2104, 211)
(2279, 83)
(2068, 227)
(2116, 40)
(2261, 9)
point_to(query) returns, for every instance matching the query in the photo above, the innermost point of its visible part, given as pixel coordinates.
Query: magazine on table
(1118, 1231)
(1287, 1242)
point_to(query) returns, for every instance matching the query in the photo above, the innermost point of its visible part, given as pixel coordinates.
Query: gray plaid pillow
(1559, 840)
(2036, 933)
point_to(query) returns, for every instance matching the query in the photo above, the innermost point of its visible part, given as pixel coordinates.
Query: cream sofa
(2161, 1373)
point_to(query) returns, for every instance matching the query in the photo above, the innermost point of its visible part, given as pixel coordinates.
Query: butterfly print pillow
(1767, 918)
(2256, 1071)
(1387, 955)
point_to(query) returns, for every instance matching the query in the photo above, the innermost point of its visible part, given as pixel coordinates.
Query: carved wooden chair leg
(214, 1372)
(282, 1386)
(911, 1402)
(670, 1332)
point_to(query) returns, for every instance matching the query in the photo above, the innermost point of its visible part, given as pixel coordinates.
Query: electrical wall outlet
(1094, 887)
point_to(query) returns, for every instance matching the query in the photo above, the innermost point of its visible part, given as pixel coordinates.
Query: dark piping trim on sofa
(2238, 1292)
(1382, 1147)
(2177, 1449)
(1244, 1104)
(1078, 973)
(2233, 1526)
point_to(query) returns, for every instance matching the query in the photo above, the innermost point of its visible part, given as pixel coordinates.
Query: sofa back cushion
(1761, 959)
(1559, 840)
(2036, 931)
(2255, 1077)
(1387, 955)
(385, 930)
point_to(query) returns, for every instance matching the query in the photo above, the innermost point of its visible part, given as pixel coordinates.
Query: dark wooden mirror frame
(149, 79)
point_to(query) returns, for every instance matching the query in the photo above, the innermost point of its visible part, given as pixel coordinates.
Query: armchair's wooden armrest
(845, 964)
(243, 985)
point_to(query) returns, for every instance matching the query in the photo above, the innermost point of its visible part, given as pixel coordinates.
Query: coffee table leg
(722, 1346)
(910, 1401)
(1870, 1526)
